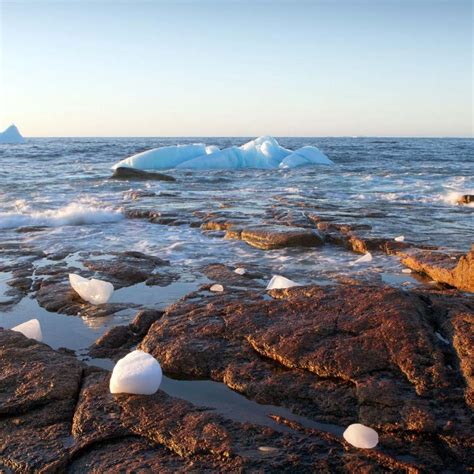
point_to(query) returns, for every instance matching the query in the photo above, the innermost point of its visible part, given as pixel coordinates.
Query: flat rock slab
(267, 237)
(346, 354)
(455, 270)
(59, 416)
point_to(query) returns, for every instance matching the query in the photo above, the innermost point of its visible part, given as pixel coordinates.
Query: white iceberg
(31, 329)
(138, 373)
(262, 153)
(361, 436)
(279, 282)
(364, 259)
(400, 238)
(93, 291)
(216, 288)
(11, 135)
(307, 155)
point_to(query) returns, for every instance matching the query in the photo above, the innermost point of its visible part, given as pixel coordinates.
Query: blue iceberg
(261, 153)
(11, 135)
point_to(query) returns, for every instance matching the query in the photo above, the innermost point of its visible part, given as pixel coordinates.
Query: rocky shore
(318, 357)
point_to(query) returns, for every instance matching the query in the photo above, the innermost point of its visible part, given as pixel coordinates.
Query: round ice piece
(364, 259)
(400, 238)
(406, 270)
(279, 282)
(31, 329)
(93, 291)
(216, 288)
(361, 436)
(307, 155)
(240, 271)
(138, 373)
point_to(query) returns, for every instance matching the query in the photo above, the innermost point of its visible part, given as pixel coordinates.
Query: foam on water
(75, 213)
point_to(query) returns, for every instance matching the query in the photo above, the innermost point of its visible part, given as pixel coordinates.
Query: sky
(237, 68)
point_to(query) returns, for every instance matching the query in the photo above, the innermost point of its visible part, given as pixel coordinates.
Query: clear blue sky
(243, 68)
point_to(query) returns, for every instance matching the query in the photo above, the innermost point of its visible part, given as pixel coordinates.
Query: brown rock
(455, 270)
(466, 199)
(275, 236)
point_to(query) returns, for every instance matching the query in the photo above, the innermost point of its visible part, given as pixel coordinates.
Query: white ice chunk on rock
(240, 271)
(31, 329)
(406, 270)
(93, 291)
(262, 153)
(361, 436)
(216, 288)
(11, 136)
(279, 282)
(138, 373)
(400, 238)
(307, 155)
(364, 259)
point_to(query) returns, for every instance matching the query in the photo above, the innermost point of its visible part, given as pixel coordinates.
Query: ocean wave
(75, 213)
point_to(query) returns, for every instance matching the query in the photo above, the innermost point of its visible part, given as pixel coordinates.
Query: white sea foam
(75, 213)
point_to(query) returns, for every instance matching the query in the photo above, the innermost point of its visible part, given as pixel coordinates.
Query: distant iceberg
(261, 153)
(11, 135)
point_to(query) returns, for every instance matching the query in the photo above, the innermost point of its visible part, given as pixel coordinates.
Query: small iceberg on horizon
(11, 136)
(262, 153)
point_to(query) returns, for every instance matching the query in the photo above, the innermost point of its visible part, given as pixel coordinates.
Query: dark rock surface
(134, 174)
(117, 341)
(58, 416)
(466, 199)
(338, 354)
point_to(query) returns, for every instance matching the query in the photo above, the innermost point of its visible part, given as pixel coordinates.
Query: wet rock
(59, 416)
(31, 228)
(225, 274)
(340, 354)
(126, 268)
(135, 194)
(453, 269)
(134, 174)
(61, 298)
(276, 236)
(117, 342)
(466, 199)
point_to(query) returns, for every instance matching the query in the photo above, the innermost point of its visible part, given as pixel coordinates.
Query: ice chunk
(138, 373)
(240, 271)
(406, 270)
(364, 259)
(400, 238)
(31, 329)
(93, 291)
(279, 282)
(262, 153)
(165, 157)
(11, 135)
(307, 155)
(216, 288)
(361, 436)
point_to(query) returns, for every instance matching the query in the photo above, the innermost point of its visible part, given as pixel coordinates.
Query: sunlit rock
(240, 271)
(93, 291)
(361, 436)
(31, 329)
(280, 282)
(216, 288)
(138, 373)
